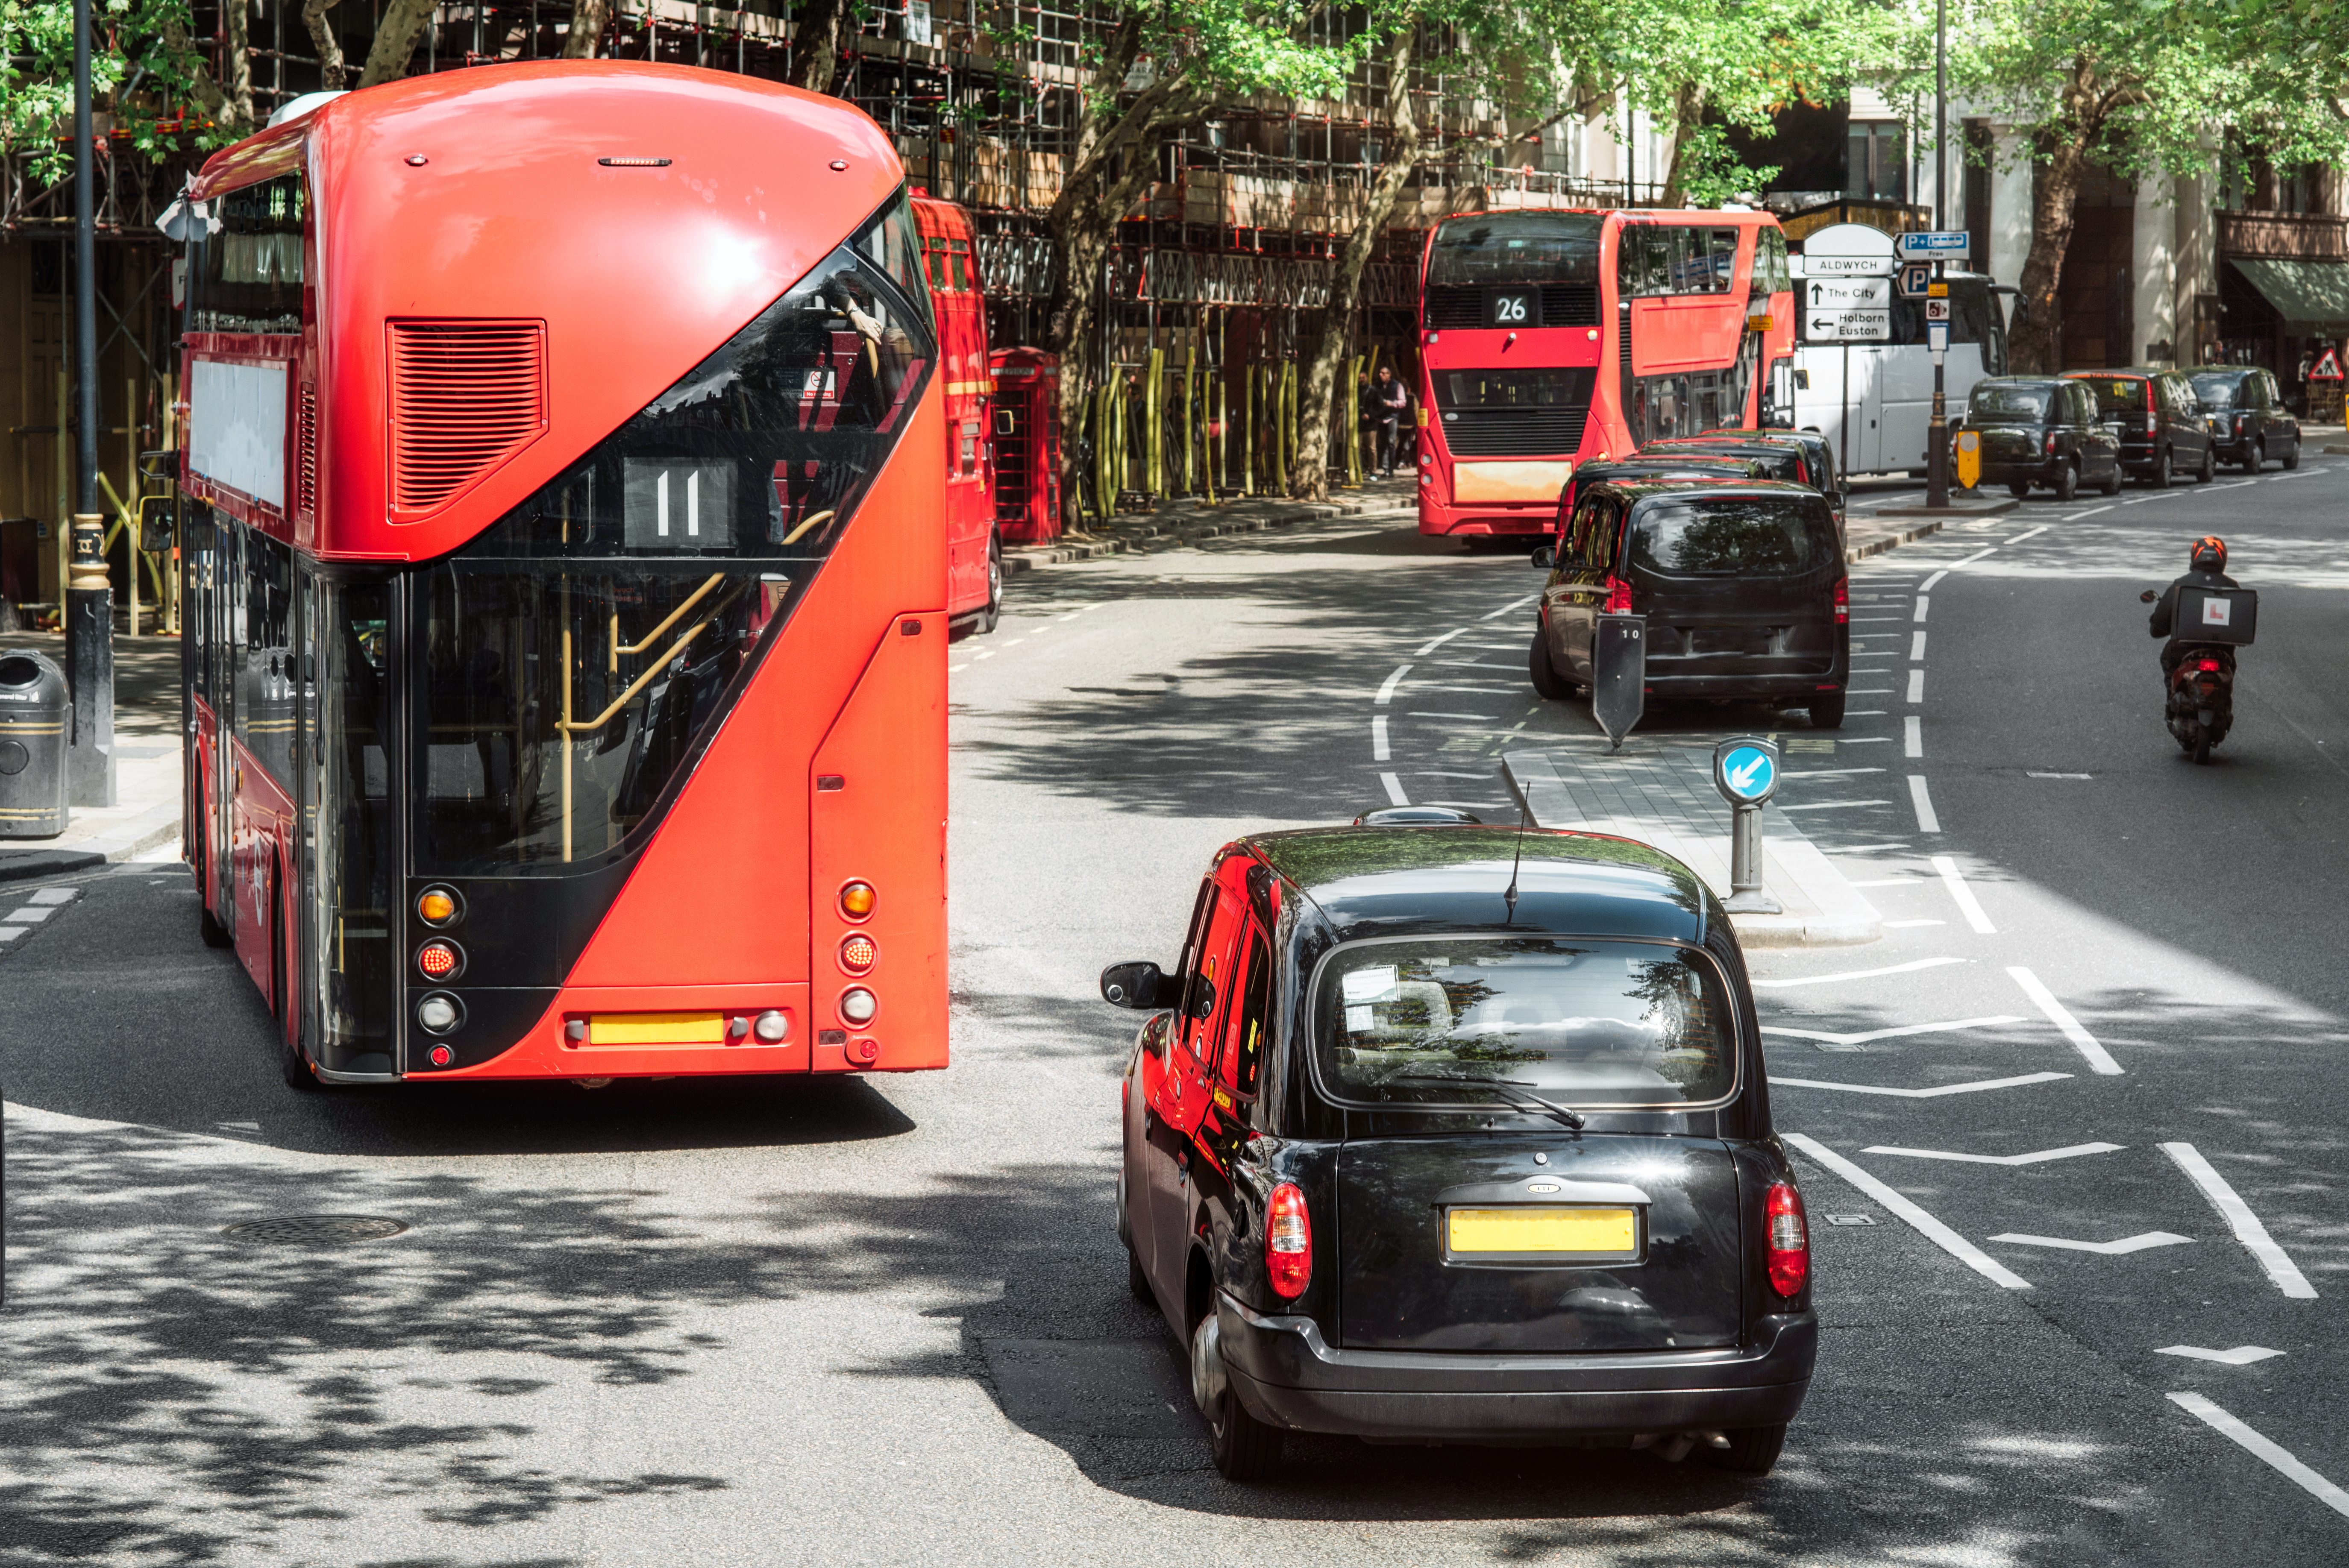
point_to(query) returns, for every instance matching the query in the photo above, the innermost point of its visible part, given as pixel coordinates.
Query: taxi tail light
(1618, 596)
(1287, 1242)
(2148, 421)
(1843, 600)
(1789, 1240)
(2051, 443)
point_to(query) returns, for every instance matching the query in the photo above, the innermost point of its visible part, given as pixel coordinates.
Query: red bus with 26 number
(565, 583)
(1553, 338)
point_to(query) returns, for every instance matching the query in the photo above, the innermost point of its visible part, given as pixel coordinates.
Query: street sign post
(1969, 458)
(1618, 674)
(1847, 292)
(1746, 770)
(1871, 325)
(1847, 249)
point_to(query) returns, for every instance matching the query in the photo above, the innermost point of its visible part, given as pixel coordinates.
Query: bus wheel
(208, 926)
(292, 1063)
(994, 585)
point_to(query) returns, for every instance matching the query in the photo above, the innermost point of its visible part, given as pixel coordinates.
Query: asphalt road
(885, 1321)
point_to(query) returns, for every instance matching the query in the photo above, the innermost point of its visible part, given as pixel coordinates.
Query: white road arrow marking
(2246, 1224)
(2307, 1479)
(1861, 1040)
(2039, 1159)
(1907, 968)
(2126, 1244)
(1923, 1093)
(1939, 1234)
(2240, 1355)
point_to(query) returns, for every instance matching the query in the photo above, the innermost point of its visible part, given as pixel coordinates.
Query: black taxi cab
(1460, 1134)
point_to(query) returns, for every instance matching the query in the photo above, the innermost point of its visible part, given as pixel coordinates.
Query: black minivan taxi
(2042, 430)
(1742, 583)
(1461, 1135)
(2159, 421)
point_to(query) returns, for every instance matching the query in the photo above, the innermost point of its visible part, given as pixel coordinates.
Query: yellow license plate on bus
(657, 1030)
(1585, 1233)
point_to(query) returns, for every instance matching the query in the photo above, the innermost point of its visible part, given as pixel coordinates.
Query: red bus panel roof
(485, 195)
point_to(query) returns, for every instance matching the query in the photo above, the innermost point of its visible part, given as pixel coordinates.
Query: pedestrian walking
(1384, 403)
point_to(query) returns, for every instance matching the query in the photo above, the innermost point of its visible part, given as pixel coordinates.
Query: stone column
(2153, 268)
(2010, 181)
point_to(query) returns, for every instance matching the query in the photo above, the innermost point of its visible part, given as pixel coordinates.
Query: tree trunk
(209, 96)
(1309, 478)
(2036, 343)
(1115, 156)
(1687, 113)
(240, 64)
(329, 47)
(588, 20)
(818, 32)
(395, 41)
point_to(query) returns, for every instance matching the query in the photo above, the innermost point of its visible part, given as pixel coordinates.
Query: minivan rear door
(1611, 1242)
(1736, 587)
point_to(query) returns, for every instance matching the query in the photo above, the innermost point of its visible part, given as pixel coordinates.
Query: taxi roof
(1404, 881)
(1639, 489)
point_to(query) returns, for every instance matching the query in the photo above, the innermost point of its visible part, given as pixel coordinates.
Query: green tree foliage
(2140, 87)
(143, 71)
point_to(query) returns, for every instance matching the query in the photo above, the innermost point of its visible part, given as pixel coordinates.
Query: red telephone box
(1027, 444)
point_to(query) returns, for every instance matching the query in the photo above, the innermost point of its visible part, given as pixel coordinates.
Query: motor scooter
(2201, 706)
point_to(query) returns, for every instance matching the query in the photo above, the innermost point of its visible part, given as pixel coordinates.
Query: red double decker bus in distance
(565, 581)
(1553, 338)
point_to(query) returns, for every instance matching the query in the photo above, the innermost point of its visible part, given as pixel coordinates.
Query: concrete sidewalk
(1660, 792)
(145, 817)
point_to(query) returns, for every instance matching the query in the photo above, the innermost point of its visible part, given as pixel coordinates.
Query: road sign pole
(1937, 432)
(1746, 895)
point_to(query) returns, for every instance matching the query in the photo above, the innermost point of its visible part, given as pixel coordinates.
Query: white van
(1875, 400)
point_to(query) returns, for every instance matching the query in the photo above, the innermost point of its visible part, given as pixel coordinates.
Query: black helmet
(2209, 553)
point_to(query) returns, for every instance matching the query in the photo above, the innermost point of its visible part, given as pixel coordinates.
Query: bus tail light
(439, 960)
(857, 1006)
(1843, 600)
(1287, 1242)
(859, 953)
(1789, 1240)
(1618, 596)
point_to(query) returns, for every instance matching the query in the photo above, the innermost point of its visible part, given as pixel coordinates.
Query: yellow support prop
(1153, 429)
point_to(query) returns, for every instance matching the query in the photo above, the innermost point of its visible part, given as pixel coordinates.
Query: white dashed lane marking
(1932, 1229)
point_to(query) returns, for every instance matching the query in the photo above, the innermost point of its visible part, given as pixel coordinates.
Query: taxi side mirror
(1545, 557)
(1138, 985)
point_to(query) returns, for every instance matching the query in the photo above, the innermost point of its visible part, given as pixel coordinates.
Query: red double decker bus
(565, 584)
(1553, 338)
(958, 299)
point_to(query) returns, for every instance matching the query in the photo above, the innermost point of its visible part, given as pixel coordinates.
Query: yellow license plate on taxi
(1533, 1231)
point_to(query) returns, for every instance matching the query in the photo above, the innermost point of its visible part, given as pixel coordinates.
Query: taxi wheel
(1826, 710)
(1753, 1451)
(2112, 485)
(2256, 458)
(2067, 481)
(2291, 459)
(2209, 469)
(2019, 488)
(1245, 1448)
(1547, 682)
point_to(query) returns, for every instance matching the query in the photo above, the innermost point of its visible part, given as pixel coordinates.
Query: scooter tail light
(2210, 665)
(1843, 600)
(1788, 1242)
(1618, 596)
(1287, 1242)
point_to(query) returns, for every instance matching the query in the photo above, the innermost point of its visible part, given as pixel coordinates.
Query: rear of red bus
(565, 581)
(1553, 338)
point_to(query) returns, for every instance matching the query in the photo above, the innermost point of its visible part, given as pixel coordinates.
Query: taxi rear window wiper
(1572, 1118)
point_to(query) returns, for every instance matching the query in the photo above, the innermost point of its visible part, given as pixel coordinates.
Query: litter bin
(35, 710)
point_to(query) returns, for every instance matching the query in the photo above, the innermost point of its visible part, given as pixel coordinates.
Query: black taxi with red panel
(1460, 1134)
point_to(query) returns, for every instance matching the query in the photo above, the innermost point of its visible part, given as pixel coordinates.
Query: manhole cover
(315, 1230)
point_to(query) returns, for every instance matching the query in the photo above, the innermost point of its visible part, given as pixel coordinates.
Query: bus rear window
(1516, 248)
(1747, 536)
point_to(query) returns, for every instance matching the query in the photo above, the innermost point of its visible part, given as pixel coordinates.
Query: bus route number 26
(1513, 307)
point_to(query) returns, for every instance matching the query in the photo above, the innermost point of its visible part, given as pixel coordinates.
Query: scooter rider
(2209, 561)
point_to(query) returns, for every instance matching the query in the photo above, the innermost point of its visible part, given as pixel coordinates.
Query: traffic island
(1662, 795)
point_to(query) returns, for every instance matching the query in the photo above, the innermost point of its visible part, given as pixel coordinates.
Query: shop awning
(2311, 297)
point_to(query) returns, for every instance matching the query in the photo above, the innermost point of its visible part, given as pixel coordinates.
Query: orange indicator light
(856, 900)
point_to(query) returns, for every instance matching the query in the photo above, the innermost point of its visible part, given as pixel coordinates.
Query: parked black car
(1742, 583)
(1659, 466)
(2159, 421)
(2042, 430)
(1814, 455)
(1461, 1134)
(2249, 423)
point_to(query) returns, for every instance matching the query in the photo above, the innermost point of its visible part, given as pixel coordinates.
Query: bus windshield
(1516, 248)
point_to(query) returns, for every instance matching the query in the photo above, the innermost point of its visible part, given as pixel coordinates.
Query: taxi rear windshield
(2118, 394)
(2218, 391)
(1747, 536)
(1451, 1023)
(2010, 403)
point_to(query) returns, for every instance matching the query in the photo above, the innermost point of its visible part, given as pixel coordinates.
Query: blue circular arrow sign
(1747, 773)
